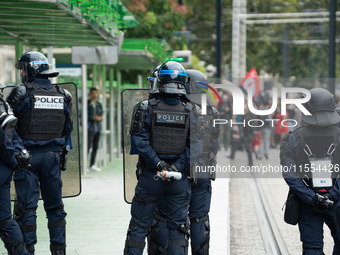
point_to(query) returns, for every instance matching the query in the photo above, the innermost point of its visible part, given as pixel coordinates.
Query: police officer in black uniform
(311, 158)
(201, 186)
(13, 156)
(163, 139)
(199, 206)
(44, 125)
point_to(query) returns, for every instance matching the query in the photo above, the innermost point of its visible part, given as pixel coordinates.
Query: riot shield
(71, 176)
(129, 98)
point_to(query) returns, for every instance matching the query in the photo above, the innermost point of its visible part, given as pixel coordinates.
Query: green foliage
(158, 19)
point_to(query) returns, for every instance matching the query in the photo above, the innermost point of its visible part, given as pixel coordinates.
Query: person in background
(95, 117)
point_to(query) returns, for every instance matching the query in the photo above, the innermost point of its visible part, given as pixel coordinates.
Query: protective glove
(162, 165)
(329, 196)
(328, 200)
(23, 159)
(320, 203)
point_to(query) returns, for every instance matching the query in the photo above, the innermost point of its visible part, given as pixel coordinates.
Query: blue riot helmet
(196, 87)
(33, 64)
(153, 80)
(172, 78)
(322, 107)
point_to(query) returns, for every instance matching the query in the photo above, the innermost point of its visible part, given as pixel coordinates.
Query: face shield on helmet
(33, 64)
(153, 81)
(172, 78)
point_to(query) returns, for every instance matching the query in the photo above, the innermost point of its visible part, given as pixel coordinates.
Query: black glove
(328, 200)
(23, 159)
(162, 165)
(320, 203)
(329, 196)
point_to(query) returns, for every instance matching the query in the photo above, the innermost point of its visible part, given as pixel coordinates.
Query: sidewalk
(98, 219)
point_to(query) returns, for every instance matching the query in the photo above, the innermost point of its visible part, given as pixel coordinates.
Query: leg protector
(183, 243)
(133, 243)
(203, 248)
(18, 214)
(57, 224)
(158, 224)
(14, 247)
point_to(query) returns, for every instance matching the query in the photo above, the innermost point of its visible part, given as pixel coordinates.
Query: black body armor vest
(319, 157)
(169, 128)
(46, 118)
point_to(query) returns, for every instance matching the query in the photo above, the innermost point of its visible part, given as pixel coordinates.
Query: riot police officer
(201, 186)
(13, 156)
(311, 155)
(44, 125)
(199, 206)
(165, 140)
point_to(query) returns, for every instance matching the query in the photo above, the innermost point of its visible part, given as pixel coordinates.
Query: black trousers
(93, 141)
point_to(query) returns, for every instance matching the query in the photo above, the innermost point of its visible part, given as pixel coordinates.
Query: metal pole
(119, 128)
(84, 115)
(104, 122)
(218, 39)
(112, 114)
(18, 52)
(332, 33)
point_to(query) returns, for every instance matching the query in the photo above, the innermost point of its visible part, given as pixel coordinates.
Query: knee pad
(158, 224)
(205, 244)
(56, 223)
(18, 214)
(129, 243)
(181, 242)
(14, 247)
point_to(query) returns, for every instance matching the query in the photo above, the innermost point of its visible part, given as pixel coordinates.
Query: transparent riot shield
(129, 98)
(71, 176)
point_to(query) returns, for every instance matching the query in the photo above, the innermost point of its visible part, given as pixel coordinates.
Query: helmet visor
(22, 72)
(153, 85)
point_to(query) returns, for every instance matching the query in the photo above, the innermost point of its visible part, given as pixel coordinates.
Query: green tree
(158, 19)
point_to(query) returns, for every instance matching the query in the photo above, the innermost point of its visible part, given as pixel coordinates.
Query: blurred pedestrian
(95, 118)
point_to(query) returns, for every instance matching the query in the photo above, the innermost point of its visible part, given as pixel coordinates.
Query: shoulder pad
(143, 105)
(16, 96)
(138, 116)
